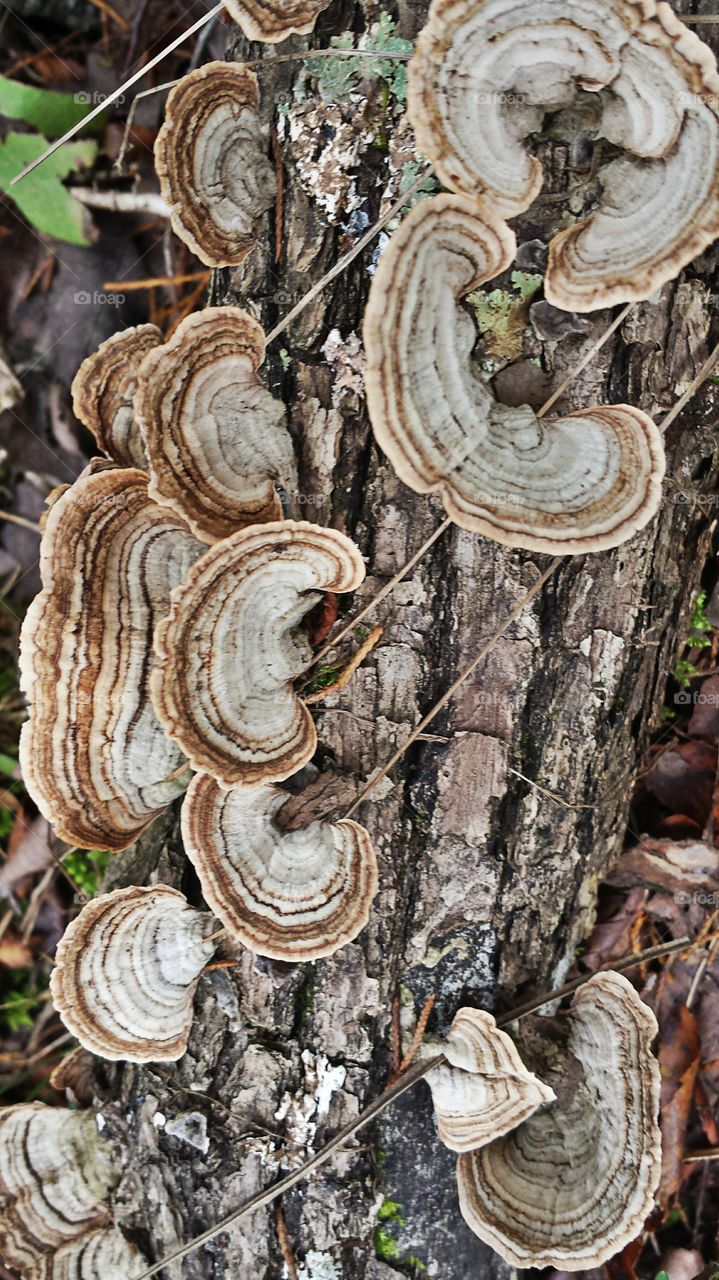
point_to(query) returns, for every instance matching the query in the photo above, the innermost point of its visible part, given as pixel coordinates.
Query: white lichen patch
(310, 1103)
(318, 1266)
(346, 358)
(326, 144)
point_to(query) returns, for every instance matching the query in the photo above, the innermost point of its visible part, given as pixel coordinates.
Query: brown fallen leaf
(678, 1064)
(322, 619)
(14, 953)
(29, 851)
(682, 779)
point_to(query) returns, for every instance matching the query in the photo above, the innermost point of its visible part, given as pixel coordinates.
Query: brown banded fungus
(215, 437)
(292, 895)
(271, 21)
(126, 970)
(231, 647)
(486, 72)
(55, 1177)
(483, 1089)
(584, 482)
(103, 390)
(575, 1182)
(93, 755)
(102, 1255)
(211, 162)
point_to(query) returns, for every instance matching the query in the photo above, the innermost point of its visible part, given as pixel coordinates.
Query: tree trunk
(494, 833)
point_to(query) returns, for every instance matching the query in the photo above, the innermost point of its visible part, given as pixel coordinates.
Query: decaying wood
(493, 837)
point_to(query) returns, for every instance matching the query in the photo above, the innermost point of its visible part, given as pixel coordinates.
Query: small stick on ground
(345, 676)
(417, 1039)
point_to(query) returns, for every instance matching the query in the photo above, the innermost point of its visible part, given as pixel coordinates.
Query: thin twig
(380, 1104)
(596, 346)
(153, 282)
(388, 586)
(116, 93)
(450, 692)
(347, 673)
(417, 1039)
(691, 390)
(25, 524)
(343, 262)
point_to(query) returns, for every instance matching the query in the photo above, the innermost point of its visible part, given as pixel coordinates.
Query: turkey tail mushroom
(483, 1090)
(575, 1182)
(56, 1174)
(585, 482)
(231, 647)
(292, 895)
(485, 73)
(103, 391)
(211, 161)
(271, 21)
(126, 970)
(94, 757)
(215, 437)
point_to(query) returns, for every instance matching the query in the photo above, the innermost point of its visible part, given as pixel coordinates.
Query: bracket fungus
(216, 439)
(485, 73)
(102, 1255)
(211, 162)
(580, 483)
(231, 647)
(126, 970)
(484, 1089)
(292, 895)
(55, 1177)
(93, 755)
(271, 21)
(575, 1182)
(103, 390)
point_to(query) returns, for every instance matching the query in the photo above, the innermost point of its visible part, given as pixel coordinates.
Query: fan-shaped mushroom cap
(93, 756)
(103, 1255)
(215, 437)
(573, 1184)
(486, 71)
(55, 1176)
(103, 389)
(126, 971)
(580, 483)
(211, 162)
(273, 20)
(484, 1088)
(292, 895)
(231, 647)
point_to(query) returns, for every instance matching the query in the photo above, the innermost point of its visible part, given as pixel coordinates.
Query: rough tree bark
(494, 835)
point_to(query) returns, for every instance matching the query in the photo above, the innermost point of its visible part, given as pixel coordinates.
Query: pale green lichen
(501, 314)
(338, 77)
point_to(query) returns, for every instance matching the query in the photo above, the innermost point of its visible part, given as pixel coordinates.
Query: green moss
(86, 867)
(323, 678)
(386, 1246)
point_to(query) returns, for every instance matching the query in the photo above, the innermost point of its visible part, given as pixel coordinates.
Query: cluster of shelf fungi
(161, 656)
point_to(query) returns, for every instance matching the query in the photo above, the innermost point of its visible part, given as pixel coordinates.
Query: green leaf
(52, 113)
(41, 197)
(7, 765)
